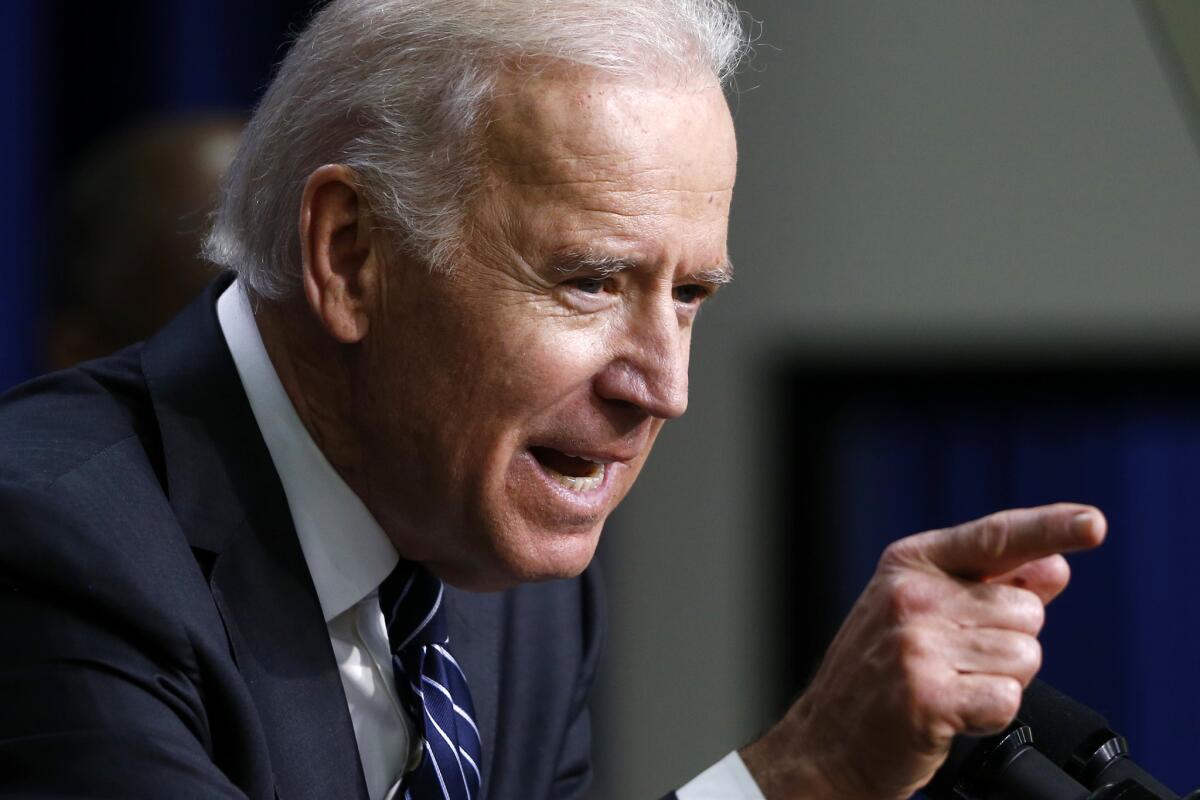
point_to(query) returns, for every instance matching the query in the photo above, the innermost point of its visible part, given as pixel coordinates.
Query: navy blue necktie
(431, 687)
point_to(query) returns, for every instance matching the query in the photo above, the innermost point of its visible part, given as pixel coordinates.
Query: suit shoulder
(51, 425)
(102, 540)
(83, 506)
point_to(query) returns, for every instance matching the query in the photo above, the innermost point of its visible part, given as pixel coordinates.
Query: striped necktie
(431, 687)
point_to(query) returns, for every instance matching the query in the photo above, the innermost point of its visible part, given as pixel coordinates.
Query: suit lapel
(226, 494)
(476, 626)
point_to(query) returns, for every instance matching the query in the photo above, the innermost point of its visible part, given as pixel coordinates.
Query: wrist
(786, 767)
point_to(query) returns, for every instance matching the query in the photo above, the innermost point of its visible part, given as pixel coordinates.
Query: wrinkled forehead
(561, 127)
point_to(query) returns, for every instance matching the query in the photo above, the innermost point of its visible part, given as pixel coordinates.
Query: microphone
(1001, 767)
(1077, 757)
(1080, 741)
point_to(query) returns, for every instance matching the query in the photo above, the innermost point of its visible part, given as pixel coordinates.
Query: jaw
(533, 528)
(520, 554)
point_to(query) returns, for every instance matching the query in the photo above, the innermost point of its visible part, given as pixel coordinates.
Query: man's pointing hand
(942, 641)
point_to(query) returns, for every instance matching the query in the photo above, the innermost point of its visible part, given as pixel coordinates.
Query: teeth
(587, 483)
(583, 458)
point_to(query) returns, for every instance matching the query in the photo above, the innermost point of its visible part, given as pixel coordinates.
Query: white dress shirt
(348, 556)
(347, 553)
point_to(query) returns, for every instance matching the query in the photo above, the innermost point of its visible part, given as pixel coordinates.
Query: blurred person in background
(137, 210)
(330, 532)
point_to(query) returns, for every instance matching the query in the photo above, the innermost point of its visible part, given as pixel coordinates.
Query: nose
(649, 369)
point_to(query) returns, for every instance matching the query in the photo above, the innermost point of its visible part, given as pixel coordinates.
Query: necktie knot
(411, 601)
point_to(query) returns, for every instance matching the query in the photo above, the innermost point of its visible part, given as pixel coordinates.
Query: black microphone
(1080, 741)
(1005, 766)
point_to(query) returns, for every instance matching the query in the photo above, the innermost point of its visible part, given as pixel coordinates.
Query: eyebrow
(603, 266)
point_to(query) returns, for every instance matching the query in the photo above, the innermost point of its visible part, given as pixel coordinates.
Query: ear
(342, 270)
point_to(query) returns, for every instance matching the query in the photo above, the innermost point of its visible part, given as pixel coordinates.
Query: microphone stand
(1009, 767)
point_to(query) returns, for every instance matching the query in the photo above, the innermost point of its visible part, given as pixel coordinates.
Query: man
(137, 209)
(329, 533)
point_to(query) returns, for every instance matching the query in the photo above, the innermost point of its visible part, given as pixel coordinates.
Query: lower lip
(590, 502)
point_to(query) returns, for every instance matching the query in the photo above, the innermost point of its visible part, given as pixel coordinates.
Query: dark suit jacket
(159, 632)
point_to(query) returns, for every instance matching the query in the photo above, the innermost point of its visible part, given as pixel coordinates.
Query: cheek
(490, 372)
(537, 366)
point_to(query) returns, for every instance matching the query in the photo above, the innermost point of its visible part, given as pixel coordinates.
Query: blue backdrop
(1122, 639)
(72, 73)
(20, 141)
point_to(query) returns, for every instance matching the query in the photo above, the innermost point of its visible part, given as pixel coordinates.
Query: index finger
(1001, 542)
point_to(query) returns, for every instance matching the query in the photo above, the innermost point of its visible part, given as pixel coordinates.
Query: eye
(690, 293)
(589, 285)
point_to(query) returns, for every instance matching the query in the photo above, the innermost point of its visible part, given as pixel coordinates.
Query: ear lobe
(340, 266)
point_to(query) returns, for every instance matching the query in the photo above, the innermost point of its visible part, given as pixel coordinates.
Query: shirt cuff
(728, 779)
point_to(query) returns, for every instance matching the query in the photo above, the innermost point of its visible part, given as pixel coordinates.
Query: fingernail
(1082, 522)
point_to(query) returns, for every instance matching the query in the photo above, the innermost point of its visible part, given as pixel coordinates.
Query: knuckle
(993, 535)
(988, 721)
(1027, 658)
(1030, 613)
(996, 707)
(1015, 608)
(923, 704)
(909, 595)
(898, 553)
(918, 696)
(912, 646)
(1008, 608)
(1008, 699)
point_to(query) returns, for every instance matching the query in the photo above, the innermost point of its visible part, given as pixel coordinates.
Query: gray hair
(394, 89)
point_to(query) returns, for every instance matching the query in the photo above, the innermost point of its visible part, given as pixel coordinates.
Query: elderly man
(328, 534)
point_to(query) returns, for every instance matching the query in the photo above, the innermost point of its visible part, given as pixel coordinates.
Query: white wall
(926, 174)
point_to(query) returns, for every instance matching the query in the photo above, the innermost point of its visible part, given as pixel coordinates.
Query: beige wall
(926, 174)
(1181, 24)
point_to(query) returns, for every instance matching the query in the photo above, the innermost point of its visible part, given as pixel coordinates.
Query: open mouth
(577, 473)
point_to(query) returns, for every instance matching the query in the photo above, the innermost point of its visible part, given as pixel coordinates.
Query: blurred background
(966, 238)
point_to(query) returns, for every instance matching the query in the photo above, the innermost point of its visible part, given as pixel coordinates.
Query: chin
(530, 557)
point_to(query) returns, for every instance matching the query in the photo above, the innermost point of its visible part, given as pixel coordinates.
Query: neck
(319, 376)
(316, 374)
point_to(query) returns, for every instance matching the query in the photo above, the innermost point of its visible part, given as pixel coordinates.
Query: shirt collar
(347, 552)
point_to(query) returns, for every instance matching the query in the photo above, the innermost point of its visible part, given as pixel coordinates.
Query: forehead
(565, 114)
(613, 153)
